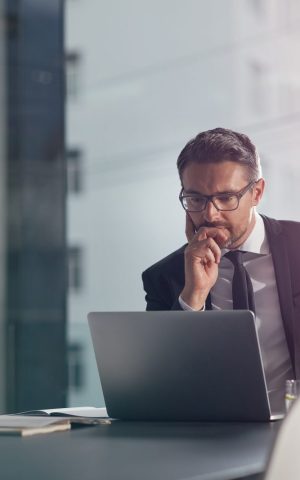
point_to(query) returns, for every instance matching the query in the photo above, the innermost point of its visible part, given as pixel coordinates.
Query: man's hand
(201, 259)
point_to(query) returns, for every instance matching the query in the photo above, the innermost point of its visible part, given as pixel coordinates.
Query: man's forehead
(214, 177)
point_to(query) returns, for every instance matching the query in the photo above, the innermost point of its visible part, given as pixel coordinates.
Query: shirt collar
(257, 241)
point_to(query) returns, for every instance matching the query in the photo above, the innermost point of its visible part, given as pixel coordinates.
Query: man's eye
(196, 200)
(226, 198)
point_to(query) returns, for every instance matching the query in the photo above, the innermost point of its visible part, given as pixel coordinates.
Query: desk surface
(141, 451)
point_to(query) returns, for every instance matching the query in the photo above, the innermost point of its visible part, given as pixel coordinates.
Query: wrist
(187, 307)
(195, 299)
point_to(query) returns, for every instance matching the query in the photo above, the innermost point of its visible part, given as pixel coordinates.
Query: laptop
(181, 366)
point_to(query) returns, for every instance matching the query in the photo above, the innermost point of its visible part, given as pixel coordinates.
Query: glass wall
(142, 79)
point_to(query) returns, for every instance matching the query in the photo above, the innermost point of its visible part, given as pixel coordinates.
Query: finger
(215, 249)
(220, 235)
(189, 228)
(206, 250)
(209, 257)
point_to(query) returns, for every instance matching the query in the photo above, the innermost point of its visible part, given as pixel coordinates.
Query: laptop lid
(178, 365)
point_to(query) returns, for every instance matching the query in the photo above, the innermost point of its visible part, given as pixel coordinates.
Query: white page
(18, 421)
(80, 411)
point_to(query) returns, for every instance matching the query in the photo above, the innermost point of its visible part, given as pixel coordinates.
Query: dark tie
(242, 289)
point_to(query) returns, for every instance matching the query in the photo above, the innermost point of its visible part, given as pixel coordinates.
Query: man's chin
(231, 241)
(234, 243)
(225, 243)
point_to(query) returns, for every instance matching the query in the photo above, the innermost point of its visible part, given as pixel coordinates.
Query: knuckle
(210, 242)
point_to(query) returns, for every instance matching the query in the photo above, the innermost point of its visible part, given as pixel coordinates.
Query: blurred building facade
(33, 372)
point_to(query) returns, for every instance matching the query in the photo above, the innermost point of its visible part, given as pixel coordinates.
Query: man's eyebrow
(195, 192)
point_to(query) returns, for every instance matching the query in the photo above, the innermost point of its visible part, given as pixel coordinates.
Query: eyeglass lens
(221, 202)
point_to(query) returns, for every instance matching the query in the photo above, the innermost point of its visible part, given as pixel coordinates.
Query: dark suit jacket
(164, 280)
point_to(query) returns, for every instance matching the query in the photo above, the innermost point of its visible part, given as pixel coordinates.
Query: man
(221, 182)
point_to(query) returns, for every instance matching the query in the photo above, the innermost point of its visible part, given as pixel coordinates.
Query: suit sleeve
(157, 297)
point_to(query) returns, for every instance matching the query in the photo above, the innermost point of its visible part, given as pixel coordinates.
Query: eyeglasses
(223, 202)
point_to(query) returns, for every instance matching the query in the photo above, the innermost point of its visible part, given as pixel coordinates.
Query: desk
(141, 451)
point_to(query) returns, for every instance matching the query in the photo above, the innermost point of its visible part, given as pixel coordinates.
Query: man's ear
(258, 191)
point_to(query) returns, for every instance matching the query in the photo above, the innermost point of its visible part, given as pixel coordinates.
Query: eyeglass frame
(210, 198)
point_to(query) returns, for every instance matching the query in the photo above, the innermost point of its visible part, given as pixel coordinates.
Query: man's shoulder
(281, 226)
(171, 262)
(283, 232)
(290, 224)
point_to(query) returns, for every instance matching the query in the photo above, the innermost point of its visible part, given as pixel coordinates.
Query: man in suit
(222, 185)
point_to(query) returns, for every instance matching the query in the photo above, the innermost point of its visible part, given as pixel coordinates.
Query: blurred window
(76, 367)
(73, 62)
(74, 170)
(75, 267)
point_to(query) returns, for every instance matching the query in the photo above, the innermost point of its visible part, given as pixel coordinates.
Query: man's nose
(210, 212)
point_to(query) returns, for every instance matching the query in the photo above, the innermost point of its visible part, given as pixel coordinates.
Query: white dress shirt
(259, 264)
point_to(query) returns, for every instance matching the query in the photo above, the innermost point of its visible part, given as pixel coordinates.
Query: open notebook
(73, 411)
(79, 415)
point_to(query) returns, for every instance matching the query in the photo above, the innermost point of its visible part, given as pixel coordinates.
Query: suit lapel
(280, 259)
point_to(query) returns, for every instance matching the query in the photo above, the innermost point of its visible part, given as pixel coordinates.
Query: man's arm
(157, 294)
(201, 263)
(190, 273)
